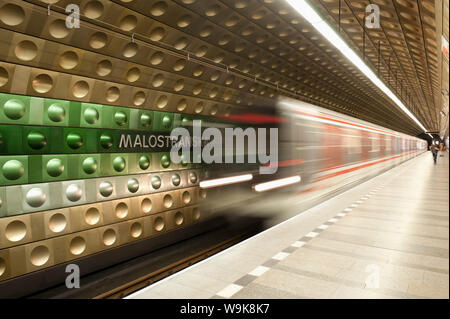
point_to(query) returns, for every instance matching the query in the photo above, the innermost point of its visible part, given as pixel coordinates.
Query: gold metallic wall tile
(22, 259)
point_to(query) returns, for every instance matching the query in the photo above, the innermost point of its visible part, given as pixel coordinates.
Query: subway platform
(386, 238)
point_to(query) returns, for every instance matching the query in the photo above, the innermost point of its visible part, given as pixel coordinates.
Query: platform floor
(386, 238)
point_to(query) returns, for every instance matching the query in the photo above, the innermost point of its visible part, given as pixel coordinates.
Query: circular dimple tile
(184, 21)
(224, 40)
(158, 80)
(120, 118)
(91, 115)
(181, 43)
(214, 109)
(93, 9)
(36, 140)
(119, 164)
(128, 23)
(186, 197)
(80, 89)
(106, 141)
(197, 89)
(130, 50)
(161, 101)
(232, 21)
(166, 122)
(56, 112)
(201, 51)
(89, 165)
(112, 94)
(198, 71)
(58, 29)
(15, 231)
(240, 4)
(105, 189)
(159, 224)
(77, 246)
(146, 205)
(109, 237)
(136, 230)
(4, 76)
(121, 210)
(158, 9)
(55, 167)
(212, 10)
(133, 185)
(92, 216)
(13, 170)
(42, 83)
(156, 182)
(35, 197)
(176, 180)
(145, 120)
(196, 213)
(68, 60)
(179, 85)
(193, 177)
(182, 105)
(179, 65)
(12, 14)
(215, 76)
(206, 31)
(165, 161)
(157, 58)
(40, 255)
(74, 141)
(74, 192)
(133, 74)
(26, 50)
(199, 107)
(2, 266)
(144, 162)
(157, 34)
(104, 68)
(139, 98)
(98, 40)
(57, 223)
(178, 218)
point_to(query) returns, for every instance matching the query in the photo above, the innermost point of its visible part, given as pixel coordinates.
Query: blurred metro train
(321, 152)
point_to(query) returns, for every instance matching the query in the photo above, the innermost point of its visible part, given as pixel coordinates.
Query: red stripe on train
(253, 118)
(345, 122)
(348, 170)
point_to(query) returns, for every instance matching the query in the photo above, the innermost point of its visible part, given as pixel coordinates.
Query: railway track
(148, 279)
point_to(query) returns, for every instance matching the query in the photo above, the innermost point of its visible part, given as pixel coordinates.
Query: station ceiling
(240, 53)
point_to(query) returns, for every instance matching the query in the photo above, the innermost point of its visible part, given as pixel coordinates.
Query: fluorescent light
(277, 183)
(308, 12)
(225, 181)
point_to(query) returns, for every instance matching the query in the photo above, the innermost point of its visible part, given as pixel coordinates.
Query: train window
(387, 141)
(375, 143)
(352, 142)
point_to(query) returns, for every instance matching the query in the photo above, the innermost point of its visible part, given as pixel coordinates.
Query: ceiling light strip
(307, 12)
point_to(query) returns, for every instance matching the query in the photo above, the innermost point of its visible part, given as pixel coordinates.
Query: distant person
(435, 150)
